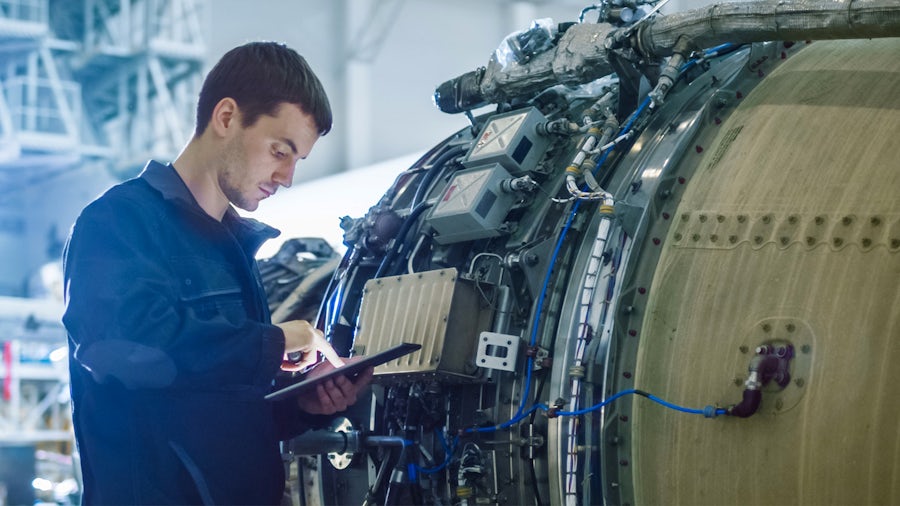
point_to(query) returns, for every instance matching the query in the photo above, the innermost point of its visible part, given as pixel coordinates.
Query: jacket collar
(250, 233)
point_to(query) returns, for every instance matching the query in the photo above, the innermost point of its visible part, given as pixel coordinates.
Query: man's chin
(250, 206)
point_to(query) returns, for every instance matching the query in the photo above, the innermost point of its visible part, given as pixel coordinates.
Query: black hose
(763, 367)
(748, 405)
(432, 173)
(399, 238)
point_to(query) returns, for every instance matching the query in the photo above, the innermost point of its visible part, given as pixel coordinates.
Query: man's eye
(280, 155)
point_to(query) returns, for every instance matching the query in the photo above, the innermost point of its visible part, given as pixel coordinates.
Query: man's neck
(199, 175)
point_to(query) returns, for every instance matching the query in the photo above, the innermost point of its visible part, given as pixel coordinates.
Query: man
(171, 346)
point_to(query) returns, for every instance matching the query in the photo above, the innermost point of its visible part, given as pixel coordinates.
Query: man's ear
(225, 116)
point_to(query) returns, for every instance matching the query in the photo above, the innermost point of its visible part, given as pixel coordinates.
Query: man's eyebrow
(290, 144)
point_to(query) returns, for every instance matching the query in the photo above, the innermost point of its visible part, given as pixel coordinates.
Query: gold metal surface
(436, 309)
(788, 231)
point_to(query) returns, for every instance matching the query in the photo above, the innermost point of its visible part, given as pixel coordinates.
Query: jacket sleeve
(133, 318)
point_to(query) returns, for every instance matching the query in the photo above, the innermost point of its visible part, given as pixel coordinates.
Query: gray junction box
(472, 206)
(510, 139)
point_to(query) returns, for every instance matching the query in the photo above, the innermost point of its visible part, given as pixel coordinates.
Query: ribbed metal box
(436, 309)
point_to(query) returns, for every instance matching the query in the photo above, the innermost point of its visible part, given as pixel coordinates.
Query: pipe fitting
(771, 362)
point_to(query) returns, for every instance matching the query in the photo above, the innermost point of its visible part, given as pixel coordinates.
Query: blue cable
(708, 411)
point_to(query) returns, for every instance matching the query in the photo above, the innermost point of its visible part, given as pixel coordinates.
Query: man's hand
(301, 336)
(335, 394)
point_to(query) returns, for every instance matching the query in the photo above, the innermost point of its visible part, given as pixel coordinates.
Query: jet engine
(663, 270)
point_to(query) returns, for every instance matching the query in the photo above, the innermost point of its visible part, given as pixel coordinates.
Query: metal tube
(765, 20)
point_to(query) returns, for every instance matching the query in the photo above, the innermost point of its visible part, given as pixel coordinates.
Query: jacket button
(187, 281)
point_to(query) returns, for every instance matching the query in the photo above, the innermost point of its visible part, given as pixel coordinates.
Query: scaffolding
(81, 82)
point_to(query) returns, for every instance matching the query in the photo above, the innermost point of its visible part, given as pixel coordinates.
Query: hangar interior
(92, 89)
(704, 200)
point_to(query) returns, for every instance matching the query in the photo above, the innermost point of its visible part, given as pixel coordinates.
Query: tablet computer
(348, 370)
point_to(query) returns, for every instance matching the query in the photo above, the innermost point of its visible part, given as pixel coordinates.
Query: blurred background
(91, 89)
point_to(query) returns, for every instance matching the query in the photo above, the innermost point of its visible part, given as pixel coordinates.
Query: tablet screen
(350, 370)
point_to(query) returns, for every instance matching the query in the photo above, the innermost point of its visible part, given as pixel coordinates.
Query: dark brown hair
(260, 76)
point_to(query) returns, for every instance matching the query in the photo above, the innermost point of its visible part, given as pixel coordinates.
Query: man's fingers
(325, 403)
(325, 348)
(335, 397)
(309, 359)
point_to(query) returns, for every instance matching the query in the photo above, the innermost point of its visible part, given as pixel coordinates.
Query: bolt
(799, 382)
(790, 327)
(623, 462)
(792, 219)
(732, 239)
(785, 241)
(810, 241)
(766, 219)
(737, 381)
(741, 218)
(695, 237)
(713, 238)
(866, 242)
(666, 216)
(806, 348)
(677, 236)
(702, 218)
(838, 242)
(623, 418)
(766, 327)
(685, 217)
(758, 239)
(720, 218)
(847, 221)
(875, 221)
(819, 220)
(779, 404)
(744, 348)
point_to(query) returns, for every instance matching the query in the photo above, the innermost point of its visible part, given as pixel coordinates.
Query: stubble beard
(233, 166)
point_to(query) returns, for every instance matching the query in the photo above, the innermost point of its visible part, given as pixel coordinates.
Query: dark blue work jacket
(171, 351)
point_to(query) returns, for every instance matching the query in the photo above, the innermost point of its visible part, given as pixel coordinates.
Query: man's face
(260, 158)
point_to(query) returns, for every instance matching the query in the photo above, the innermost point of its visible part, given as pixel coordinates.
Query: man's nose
(284, 176)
